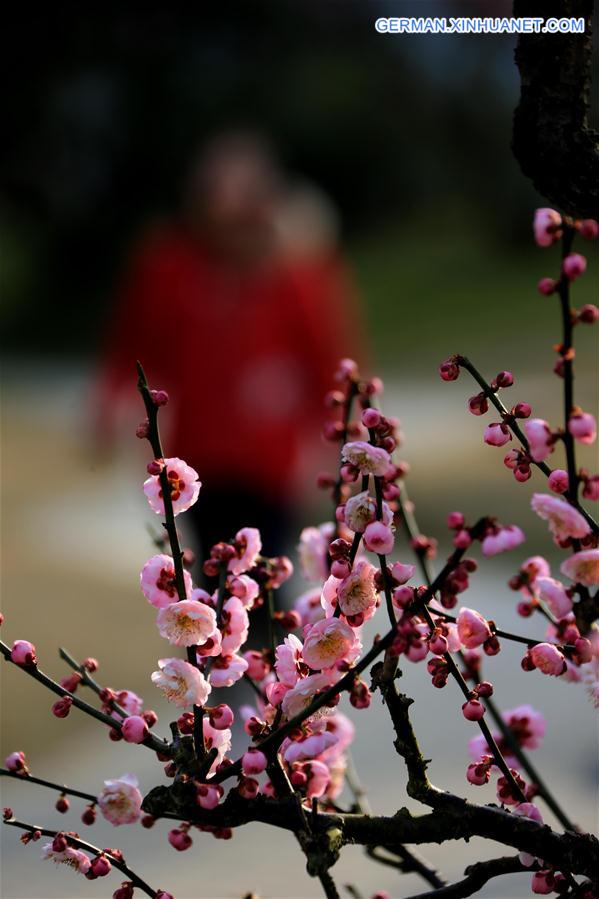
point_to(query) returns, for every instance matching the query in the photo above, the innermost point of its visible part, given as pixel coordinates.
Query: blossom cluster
(296, 735)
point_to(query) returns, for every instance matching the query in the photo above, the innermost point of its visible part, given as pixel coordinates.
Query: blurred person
(240, 309)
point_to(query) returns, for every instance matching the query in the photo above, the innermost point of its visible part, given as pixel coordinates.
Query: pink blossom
(258, 667)
(309, 748)
(130, 701)
(313, 551)
(301, 695)
(181, 682)
(473, 710)
(134, 729)
(558, 480)
(211, 647)
(318, 776)
(547, 226)
(540, 438)
(326, 642)
(186, 623)
(275, 691)
(23, 653)
(360, 510)
(253, 762)
(535, 567)
(402, 573)
(157, 581)
(546, 286)
(74, 858)
(497, 434)
(289, 664)
(357, 592)
(227, 670)
(564, 521)
(245, 588)
(379, 538)
(16, 762)
(221, 717)
(553, 593)
(366, 458)
(207, 796)
(574, 265)
(505, 539)
(548, 659)
(473, 629)
(179, 839)
(528, 729)
(248, 544)
(583, 427)
(583, 567)
(184, 486)
(120, 800)
(219, 739)
(543, 882)
(234, 625)
(309, 607)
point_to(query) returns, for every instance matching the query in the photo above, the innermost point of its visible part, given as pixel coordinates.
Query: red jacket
(246, 358)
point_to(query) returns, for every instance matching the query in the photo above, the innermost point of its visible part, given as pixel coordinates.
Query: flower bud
(62, 707)
(135, 729)
(23, 653)
(253, 762)
(573, 266)
(473, 710)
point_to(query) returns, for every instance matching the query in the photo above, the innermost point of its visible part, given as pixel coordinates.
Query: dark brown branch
(153, 742)
(552, 140)
(60, 788)
(477, 876)
(78, 843)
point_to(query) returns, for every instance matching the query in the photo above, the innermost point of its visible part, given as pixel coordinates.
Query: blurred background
(264, 162)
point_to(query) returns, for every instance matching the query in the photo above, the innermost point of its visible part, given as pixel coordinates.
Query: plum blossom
(120, 800)
(74, 858)
(187, 623)
(181, 682)
(583, 567)
(402, 573)
(313, 551)
(554, 594)
(219, 739)
(357, 593)
(184, 486)
(564, 521)
(528, 729)
(227, 670)
(309, 748)
(504, 539)
(326, 642)
(540, 439)
(309, 607)
(301, 695)
(157, 581)
(378, 538)
(574, 265)
(583, 427)
(248, 544)
(547, 226)
(16, 761)
(234, 625)
(497, 434)
(473, 629)
(366, 458)
(23, 653)
(289, 664)
(318, 777)
(548, 659)
(359, 511)
(245, 588)
(135, 729)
